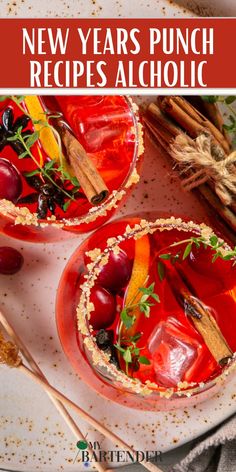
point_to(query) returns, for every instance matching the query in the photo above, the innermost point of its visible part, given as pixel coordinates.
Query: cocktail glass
(177, 367)
(109, 130)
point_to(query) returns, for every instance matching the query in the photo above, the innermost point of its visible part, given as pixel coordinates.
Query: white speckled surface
(33, 437)
(91, 8)
(116, 8)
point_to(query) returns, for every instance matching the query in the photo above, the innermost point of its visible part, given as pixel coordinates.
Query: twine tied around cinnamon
(197, 156)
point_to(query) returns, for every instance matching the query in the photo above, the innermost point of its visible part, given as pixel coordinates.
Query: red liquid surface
(175, 349)
(105, 126)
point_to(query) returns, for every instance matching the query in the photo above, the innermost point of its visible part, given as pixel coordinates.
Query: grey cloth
(216, 452)
(213, 452)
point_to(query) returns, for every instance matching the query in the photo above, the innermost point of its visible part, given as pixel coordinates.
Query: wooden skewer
(85, 416)
(67, 402)
(59, 406)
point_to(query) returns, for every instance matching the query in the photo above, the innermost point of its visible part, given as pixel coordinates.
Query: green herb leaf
(187, 251)
(144, 299)
(19, 98)
(66, 205)
(231, 128)
(23, 154)
(145, 308)
(213, 240)
(161, 269)
(127, 356)
(49, 165)
(13, 138)
(144, 360)
(4, 97)
(136, 337)
(229, 256)
(75, 181)
(165, 256)
(33, 172)
(155, 297)
(127, 319)
(31, 140)
(136, 351)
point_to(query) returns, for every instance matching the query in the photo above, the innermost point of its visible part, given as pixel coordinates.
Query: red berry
(11, 260)
(10, 181)
(116, 273)
(104, 308)
(200, 260)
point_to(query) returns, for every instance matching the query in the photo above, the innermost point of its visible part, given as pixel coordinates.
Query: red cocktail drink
(155, 311)
(42, 210)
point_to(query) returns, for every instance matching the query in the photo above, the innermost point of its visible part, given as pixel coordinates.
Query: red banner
(117, 53)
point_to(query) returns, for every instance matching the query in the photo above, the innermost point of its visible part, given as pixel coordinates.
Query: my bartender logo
(89, 452)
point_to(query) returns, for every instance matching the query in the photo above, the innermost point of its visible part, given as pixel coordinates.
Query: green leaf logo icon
(82, 445)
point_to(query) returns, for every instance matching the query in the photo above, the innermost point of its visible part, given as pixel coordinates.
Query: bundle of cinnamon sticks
(185, 128)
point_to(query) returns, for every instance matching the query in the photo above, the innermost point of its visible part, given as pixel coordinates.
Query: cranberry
(11, 260)
(116, 273)
(104, 308)
(200, 260)
(10, 181)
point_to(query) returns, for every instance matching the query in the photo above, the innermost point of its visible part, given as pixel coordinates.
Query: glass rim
(22, 215)
(100, 359)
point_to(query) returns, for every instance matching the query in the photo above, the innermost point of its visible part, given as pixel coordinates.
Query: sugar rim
(85, 307)
(23, 216)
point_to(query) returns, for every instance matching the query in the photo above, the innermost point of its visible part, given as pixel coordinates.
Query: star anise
(9, 127)
(47, 196)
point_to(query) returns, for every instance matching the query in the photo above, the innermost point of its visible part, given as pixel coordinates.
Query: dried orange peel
(138, 279)
(46, 136)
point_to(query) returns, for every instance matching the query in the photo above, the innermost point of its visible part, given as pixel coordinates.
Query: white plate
(32, 436)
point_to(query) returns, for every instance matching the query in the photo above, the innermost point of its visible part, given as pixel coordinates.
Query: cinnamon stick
(161, 133)
(162, 119)
(88, 176)
(201, 119)
(192, 121)
(202, 319)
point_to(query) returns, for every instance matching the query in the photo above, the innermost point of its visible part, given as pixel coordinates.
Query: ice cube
(172, 352)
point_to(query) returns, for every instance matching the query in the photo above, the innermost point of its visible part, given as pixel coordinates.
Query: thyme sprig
(27, 142)
(131, 353)
(144, 305)
(214, 243)
(49, 168)
(128, 346)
